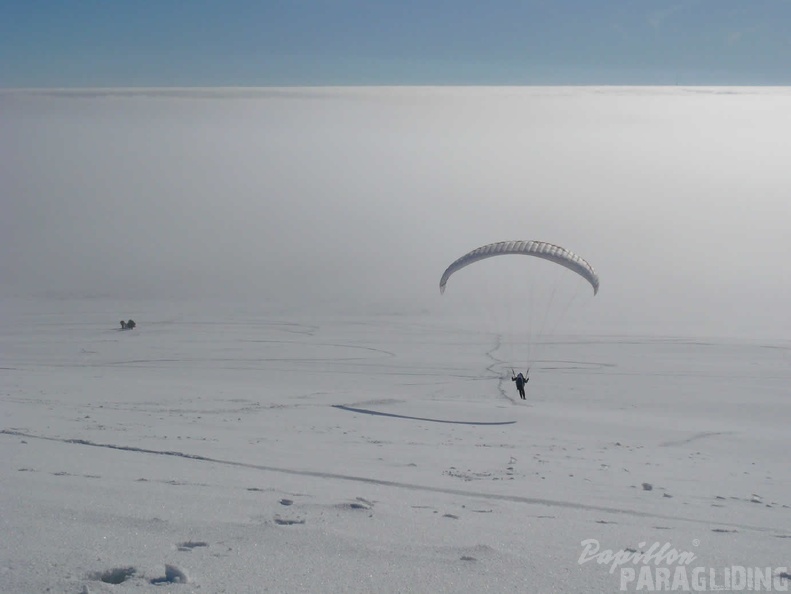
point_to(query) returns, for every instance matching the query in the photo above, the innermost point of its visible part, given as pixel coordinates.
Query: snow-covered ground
(252, 451)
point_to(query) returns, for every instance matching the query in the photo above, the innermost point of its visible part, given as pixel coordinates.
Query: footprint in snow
(116, 575)
(288, 521)
(191, 544)
(173, 575)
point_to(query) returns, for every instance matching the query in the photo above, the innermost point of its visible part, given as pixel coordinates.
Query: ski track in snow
(697, 436)
(386, 483)
(366, 411)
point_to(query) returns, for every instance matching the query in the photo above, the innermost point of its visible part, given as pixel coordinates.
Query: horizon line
(76, 91)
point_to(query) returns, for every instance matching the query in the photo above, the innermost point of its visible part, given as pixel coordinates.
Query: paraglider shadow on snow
(366, 411)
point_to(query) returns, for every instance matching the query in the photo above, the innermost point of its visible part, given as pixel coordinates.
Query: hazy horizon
(358, 198)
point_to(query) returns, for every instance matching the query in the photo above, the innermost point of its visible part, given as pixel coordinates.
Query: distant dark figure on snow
(123, 325)
(131, 324)
(520, 380)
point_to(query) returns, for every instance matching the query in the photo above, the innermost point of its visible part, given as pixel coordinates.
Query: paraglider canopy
(538, 249)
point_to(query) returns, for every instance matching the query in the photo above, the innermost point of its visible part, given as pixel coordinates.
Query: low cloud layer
(359, 198)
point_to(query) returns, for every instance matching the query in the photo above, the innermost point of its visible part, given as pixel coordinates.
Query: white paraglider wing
(538, 249)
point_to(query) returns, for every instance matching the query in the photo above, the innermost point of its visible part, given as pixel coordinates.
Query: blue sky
(87, 43)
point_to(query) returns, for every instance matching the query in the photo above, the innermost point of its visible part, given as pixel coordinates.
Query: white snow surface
(224, 450)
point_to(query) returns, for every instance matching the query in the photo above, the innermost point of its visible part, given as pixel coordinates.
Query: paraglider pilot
(520, 380)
